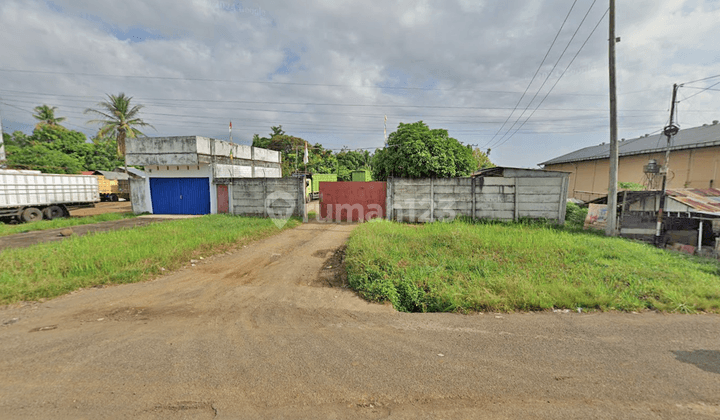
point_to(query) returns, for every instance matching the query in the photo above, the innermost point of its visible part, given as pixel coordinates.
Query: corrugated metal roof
(690, 138)
(113, 175)
(706, 200)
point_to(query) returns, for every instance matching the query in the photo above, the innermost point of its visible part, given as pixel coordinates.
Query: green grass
(123, 256)
(463, 267)
(6, 229)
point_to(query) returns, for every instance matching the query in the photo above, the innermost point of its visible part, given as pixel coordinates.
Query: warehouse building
(694, 162)
(191, 174)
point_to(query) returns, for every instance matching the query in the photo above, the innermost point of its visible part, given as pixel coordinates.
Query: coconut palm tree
(118, 119)
(46, 115)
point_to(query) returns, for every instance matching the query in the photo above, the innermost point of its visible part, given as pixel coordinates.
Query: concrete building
(694, 162)
(191, 174)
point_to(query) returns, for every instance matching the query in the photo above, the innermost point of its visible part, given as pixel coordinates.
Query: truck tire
(31, 214)
(53, 212)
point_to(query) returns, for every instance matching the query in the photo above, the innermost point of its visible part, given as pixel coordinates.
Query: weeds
(485, 266)
(122, 256)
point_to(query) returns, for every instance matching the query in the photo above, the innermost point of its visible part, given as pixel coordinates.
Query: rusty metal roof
(706, 200)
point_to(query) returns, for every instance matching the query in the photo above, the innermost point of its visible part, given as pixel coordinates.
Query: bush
(575, 216)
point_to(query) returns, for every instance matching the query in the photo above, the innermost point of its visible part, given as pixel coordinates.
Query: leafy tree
(46, 115)
(416, 151)
(482, 159)
(54, 149)
(17, 138)
(631, 186)
(118, 117)
(320, 160)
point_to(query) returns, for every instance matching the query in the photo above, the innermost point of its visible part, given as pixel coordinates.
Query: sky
(526, 79)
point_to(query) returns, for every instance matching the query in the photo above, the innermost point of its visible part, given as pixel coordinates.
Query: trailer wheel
(31, 214)
(53, 212)
(113, 197)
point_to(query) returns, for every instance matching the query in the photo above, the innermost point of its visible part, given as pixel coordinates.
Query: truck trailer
(29, 196)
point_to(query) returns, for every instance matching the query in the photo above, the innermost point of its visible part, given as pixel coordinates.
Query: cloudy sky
(329, 71)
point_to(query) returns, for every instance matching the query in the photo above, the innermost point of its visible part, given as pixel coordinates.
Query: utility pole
(2, 146)
(385, 130)
(611, 227)
(670, 130)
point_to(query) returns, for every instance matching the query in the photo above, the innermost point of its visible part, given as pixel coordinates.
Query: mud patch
(322, 253)
(332, 273)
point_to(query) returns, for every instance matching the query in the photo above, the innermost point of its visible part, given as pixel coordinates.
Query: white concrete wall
(140, 195)
(266, 155)
(497, 198)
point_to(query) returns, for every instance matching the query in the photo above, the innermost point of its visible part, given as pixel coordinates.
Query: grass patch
(463, 266)
(6, 229)
(123, 256)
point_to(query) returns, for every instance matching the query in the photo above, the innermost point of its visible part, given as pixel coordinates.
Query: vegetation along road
(269, 330)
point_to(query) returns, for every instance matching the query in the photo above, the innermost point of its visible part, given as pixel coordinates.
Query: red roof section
(705, 199)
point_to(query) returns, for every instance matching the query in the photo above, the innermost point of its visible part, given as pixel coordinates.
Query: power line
(703, 90)
(557, 81)
(548, 76)
(701, 80)
(536, 71)
(262, 82)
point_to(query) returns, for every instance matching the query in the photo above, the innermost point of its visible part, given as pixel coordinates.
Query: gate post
(389, 198)
(432, 200)
(472, 197)
(517, 200)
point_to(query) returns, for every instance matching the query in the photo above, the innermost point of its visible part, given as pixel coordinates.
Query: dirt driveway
(269, 332)
(21, 240)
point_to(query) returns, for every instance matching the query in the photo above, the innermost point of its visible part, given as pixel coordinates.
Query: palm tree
(46, 115)
(119, 120)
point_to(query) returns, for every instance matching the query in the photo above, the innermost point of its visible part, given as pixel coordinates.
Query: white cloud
(337, 55)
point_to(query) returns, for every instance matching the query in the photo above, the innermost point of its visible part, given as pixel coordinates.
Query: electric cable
(556, 82)
(548, 76)
(536, 71)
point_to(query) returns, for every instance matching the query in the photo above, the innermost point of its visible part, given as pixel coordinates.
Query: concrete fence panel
(429, 199)
(268, 197)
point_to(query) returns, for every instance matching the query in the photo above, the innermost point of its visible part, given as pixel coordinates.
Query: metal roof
(113, 175)
(705, 200)
(690, 138)
(135, 172)
(502, 171)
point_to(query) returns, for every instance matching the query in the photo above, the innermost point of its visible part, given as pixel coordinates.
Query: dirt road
(269, 332)
(21, 240)
(104, 207)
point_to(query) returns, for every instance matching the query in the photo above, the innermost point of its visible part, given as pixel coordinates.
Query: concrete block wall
(268, 197)
(497, 198)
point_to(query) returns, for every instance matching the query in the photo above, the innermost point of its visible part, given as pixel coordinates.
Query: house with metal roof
(694, 162)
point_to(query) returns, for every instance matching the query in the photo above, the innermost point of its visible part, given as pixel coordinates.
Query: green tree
(17, 138)
(53, 149)
(482, 160)
(118, 118)
(416, 151)
(46, 115)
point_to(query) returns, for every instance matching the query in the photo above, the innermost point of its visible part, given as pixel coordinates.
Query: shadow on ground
(707, 360)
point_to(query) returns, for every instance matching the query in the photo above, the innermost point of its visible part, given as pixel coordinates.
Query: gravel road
(269, 331)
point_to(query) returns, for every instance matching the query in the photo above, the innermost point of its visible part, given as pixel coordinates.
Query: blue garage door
(180, 195)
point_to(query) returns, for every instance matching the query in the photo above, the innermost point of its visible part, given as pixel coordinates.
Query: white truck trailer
(28, 196)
